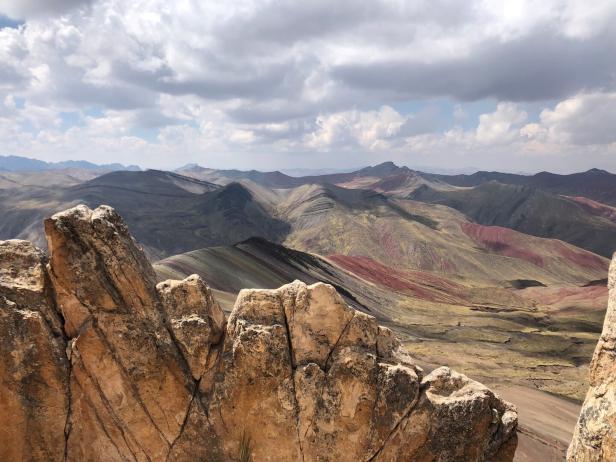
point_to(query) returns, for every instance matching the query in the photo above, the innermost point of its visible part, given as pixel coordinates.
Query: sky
(515, 85)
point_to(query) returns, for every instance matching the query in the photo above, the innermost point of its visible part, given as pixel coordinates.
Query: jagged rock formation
(594, 438)
(99, 363)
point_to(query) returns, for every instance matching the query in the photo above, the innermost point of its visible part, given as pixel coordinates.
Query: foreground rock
(34, 370)
(594, 438)
(100, 364)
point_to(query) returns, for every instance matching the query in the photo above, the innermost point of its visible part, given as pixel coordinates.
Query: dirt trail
(546, 423)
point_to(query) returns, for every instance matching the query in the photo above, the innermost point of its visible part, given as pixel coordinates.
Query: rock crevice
(100, 363)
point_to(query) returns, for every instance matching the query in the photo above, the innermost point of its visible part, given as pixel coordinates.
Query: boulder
(308, 378)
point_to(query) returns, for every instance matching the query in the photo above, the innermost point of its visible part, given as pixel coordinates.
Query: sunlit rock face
(594, 438)
(101, 364)
(34, 369)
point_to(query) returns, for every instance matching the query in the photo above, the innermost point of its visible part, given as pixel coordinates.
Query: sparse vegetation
(245, 448)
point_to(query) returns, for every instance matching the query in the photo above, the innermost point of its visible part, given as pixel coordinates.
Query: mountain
(595, 184)
(24, 164)
(387, 177)
(269, 179)
(405, 234)
(172, 213)
(169, 213)
(471, 274)
(259, 263)
(529, 210)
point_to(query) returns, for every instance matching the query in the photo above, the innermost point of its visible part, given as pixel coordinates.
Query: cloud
(539, 66)
(266, 78)
(27, 9)
(371, 130)
(502, 125)
(585, 119)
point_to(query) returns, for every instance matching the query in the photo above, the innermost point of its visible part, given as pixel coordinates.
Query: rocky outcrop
(594, 438)
(34, 369)
(101, 364)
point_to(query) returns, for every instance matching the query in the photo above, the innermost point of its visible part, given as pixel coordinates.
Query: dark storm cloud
(539, 66)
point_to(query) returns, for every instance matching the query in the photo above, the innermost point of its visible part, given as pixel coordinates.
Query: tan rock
(455, 419)
(355, 394)
(33, 367)
(131, 374)
(594, 438)
(256, 395)
(316, 318)
(195, 318)
(140, 372)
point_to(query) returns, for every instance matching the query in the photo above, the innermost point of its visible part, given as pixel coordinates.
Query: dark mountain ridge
(595, 184)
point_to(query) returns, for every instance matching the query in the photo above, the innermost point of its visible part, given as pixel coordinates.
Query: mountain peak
(597, 171)
(382, 169)
(387, 164)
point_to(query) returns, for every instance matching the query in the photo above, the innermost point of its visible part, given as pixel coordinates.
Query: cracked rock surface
(98, 363)
(594, 438)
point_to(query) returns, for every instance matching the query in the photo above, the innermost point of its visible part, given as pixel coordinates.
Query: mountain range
(502, 274)
(25, 164)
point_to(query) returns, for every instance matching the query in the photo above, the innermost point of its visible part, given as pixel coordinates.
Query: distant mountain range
(596, 184)
(25, 164)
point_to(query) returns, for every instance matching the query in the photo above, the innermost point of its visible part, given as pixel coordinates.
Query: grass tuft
(245, 449)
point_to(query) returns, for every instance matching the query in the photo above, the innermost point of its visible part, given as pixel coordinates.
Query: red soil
(387, 241)
(501, 241)
(505, 241)
(580, 257)
(562, 297)
(422, 285)
(595, 207)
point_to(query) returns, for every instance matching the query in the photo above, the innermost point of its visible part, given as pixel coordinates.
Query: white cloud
(587, 118)
(165, 80)
(370, 130)
(502, 125)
